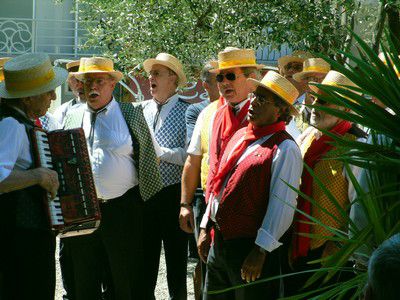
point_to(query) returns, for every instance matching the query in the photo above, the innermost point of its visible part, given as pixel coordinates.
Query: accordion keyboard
(46, 161)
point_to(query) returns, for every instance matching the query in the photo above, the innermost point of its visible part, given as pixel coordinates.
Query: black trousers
(224, 264)
(27, 265)
(115, 248)
(162, 225)
(199, 208)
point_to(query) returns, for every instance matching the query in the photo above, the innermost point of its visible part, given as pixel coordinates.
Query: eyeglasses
(157, 73)
(229, 76)
(97, 81)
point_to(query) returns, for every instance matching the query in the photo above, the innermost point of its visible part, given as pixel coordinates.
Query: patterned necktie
(93, 117)
(149, 175)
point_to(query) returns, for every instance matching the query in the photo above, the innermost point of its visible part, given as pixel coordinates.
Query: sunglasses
(229, 76)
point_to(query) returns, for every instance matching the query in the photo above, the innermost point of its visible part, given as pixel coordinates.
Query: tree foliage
(196, 30)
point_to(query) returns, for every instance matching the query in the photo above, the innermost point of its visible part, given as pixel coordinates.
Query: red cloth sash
(317, 149)
(226, 123)
(38, 123)
(252, 134)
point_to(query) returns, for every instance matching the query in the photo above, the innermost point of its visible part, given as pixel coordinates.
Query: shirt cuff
(4, 173)
(266, 241)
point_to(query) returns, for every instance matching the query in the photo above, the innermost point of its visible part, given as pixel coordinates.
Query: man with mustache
(316, 148)
(76, 87)
(165, 116)
(250, 206)
(125, 171)
(27, 265)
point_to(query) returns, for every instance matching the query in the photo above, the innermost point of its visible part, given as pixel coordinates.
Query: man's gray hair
(384, 270)
(205, 74)
(247, 71)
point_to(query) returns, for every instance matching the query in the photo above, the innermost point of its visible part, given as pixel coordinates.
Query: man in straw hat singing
(125, 170)
(316, 148)
(27, 265)
(76, 87)
(165, 116)
(250, 205)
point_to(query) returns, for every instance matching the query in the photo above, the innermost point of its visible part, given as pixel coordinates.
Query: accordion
(75, 210)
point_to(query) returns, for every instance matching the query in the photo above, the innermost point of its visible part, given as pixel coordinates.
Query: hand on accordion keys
(48, 179)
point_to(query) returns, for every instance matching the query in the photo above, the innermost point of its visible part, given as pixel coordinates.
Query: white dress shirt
(15, 151)
(111, 154)
(287, 166)
(172, 155)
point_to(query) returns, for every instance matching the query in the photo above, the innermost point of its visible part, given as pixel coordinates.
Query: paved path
(161, 289)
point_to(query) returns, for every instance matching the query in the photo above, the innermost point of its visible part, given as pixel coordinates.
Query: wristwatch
(185, 204)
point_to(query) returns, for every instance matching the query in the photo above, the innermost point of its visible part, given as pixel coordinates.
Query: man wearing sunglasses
(289, 65)
(250, 206)
(234, 67)
(316, 147)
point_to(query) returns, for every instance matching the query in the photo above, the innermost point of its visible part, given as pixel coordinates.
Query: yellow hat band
(318, 69)
(98, 68)
(30, 84)
(231, 63)
(281, 92)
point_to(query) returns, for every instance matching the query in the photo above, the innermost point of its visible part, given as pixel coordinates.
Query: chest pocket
(114, 141)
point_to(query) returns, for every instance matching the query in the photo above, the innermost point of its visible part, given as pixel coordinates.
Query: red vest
(245, 198)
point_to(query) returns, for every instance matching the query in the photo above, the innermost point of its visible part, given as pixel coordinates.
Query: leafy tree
(196, 30)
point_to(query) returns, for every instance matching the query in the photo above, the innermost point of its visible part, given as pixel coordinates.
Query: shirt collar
(171, 101)
(106, 109)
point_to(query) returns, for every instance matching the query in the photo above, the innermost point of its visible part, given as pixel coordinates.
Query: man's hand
(203, 244)
(186, 219)
(48, 179)
(253, 264)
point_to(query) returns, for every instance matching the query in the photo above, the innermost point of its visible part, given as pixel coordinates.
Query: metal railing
(59, 38)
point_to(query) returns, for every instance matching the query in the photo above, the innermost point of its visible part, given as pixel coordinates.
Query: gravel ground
(161, 289)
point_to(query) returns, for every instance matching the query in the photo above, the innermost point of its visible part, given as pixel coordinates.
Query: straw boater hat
(98, 65)
(297, 56)
(334, 78)
(72, 64)
(383, 59)
(30, 75)
(233, 57)
(313, 66)
(3, 60)
(169, 61)
(280, 86)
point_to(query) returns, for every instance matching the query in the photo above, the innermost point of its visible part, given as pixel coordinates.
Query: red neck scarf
(317, 149)
(231, 122)
(38, 123)
(221, 101)
(252, 134)
(224, 126)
